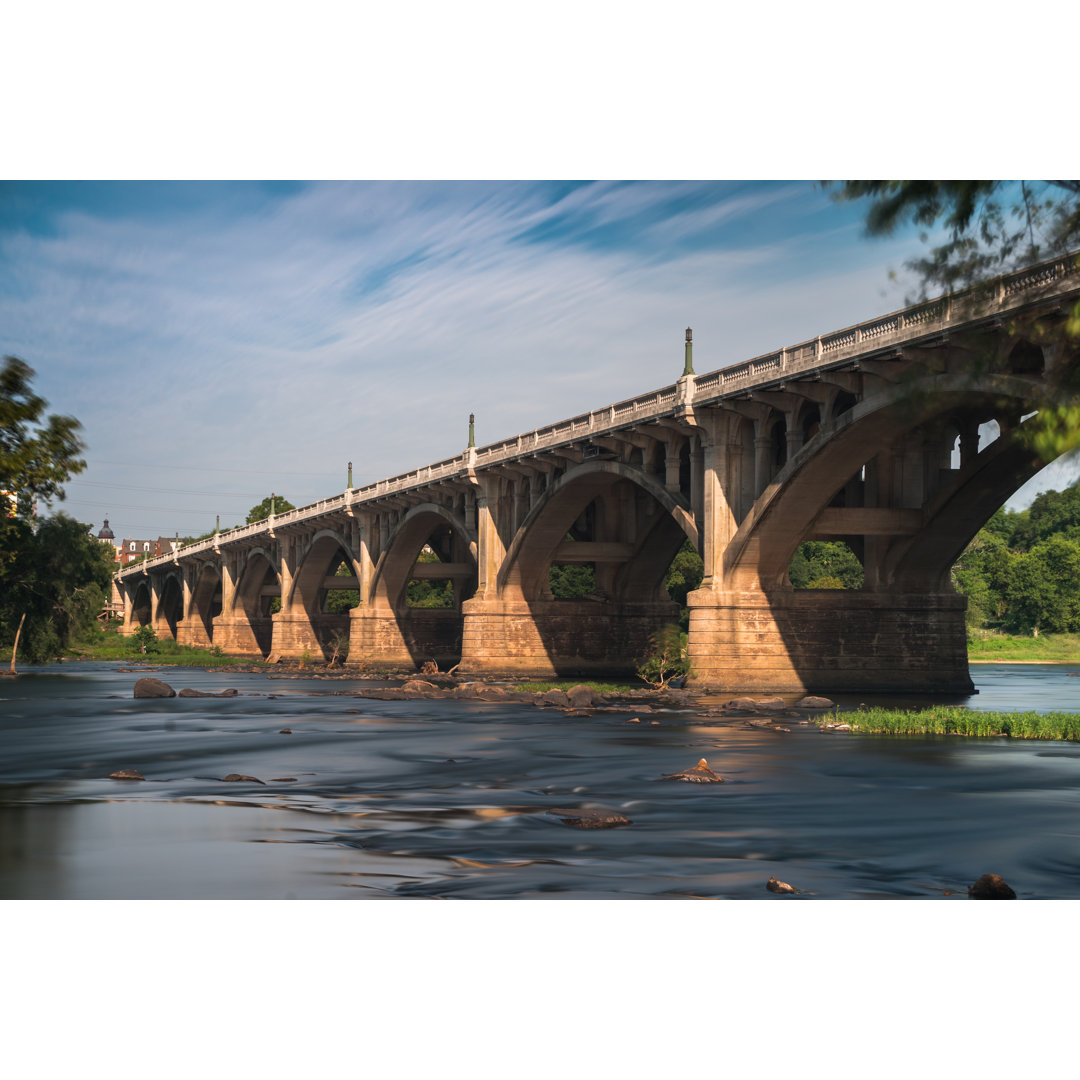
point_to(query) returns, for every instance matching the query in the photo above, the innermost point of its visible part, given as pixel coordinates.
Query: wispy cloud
(238, 328)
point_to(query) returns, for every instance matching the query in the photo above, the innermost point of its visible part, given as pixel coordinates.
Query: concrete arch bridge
(880, 434)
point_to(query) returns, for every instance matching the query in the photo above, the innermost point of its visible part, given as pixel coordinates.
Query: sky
(220, 341)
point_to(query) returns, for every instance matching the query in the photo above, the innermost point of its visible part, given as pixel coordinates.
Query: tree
(37, 454)
(262, 511)
(60, 586)
(825, 564)
(993, 226)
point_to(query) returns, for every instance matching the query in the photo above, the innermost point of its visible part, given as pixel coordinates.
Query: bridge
(875, 434)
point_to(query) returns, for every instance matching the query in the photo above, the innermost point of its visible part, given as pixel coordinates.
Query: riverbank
(993, 647)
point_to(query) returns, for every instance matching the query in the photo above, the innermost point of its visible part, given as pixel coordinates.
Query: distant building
(133, 550)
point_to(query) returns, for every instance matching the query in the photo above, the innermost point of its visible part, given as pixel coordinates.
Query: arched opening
(206, 598)
(140, 605)
(257, 591)
(170, 606)
(425, 575)
(826, 564)
(1026, 358)
(605, 539)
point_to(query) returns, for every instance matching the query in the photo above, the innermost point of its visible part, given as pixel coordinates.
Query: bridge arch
(386, 624)
(170, 606)
(524, 571)
(869, 433)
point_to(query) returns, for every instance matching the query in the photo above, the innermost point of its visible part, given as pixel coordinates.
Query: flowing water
(392, 799)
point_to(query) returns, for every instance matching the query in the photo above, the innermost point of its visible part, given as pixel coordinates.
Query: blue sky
(222, 340)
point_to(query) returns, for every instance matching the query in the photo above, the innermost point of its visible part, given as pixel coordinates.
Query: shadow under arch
(255, 590)
(170, 604)
(425, 633)
(306, 597)
(637, 527)
(206, 598)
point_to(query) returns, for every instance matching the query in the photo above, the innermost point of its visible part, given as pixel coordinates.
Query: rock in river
(126, 774)
(188, 692)
(153, 688)
(590, 819)
(235, 778)
(780, 886)
(699, 774)
(990, 887)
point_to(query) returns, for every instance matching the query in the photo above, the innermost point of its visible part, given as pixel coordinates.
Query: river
(392, 799)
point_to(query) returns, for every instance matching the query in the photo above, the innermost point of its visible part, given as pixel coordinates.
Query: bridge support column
(191, 631)
(550, 638)
(828, 641)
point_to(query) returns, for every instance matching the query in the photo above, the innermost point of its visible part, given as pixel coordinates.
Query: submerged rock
(153, 688)
(126, 774)
(188, 692)
(990, 887)
(590, 819)
(235, 778)
(288, 730)
(699, 774)
(780, 886)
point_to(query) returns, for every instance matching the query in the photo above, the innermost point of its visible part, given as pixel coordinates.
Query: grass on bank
(565, 684)
(109, 644)
(958, 720)
(1046, 648)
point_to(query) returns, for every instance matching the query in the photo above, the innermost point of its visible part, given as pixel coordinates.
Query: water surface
(426, 799)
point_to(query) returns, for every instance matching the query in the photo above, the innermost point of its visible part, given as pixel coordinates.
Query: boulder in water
(582, 697)
(188, 692)
(699, 774)
(126, 774)
(990, 887)
(811, 702)
(235, 778)
(780, 886)
(153, 688)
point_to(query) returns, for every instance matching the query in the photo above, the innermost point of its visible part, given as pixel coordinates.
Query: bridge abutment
(828, 640)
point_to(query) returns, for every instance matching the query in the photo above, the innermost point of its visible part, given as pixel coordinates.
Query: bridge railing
(1010, 291)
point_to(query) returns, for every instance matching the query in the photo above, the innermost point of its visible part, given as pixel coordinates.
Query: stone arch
(780, 520)
(396, 564)
(524, 570)
(384, 626)
(326, 552)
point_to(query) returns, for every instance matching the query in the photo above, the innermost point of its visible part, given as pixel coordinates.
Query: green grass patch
(957, 720)
(110, 645)
(565, 684)
(1046, 648)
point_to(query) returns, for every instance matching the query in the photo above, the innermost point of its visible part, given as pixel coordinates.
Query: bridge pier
(238, 635)
(555, 638)
(829, 641)
(192, 633)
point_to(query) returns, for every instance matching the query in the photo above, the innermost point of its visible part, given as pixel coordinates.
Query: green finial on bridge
(217, 524)
(688, 367)
(273, 503)
(472, 429)
(350, 476)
